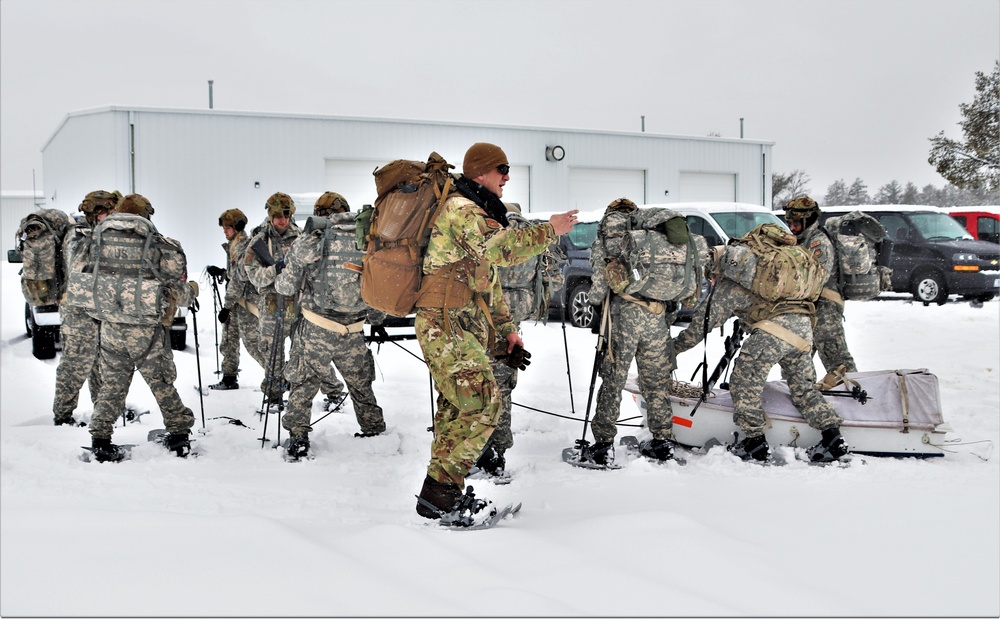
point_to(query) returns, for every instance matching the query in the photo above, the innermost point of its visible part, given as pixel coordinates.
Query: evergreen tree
(836, 193)
(858, 193)
(890, 193)
(910, 194)
(975, 162)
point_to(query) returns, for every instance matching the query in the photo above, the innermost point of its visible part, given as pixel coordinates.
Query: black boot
(298, 447)
(104, 450)
(228, 382)
(658, 448)
(68, 421)
(492, 461)
(179, 443)
(442, 496)
(752, 448)
(602, 453)
(831, 447)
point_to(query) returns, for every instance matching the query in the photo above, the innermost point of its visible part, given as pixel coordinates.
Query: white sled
(902, 415)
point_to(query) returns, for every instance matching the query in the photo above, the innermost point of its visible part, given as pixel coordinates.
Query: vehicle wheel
(928, 287)
(43, 343)
(178, 340)
(581, 312)
(986, 296)
(28, 320)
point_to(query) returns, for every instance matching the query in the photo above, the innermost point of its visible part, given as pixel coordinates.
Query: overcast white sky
(844, 88)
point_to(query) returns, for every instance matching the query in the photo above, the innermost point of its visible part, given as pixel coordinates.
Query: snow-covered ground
(240, 532)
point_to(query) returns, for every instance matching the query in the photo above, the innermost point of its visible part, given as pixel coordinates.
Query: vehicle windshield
(736, 225)
(583, 234)
(938, 227)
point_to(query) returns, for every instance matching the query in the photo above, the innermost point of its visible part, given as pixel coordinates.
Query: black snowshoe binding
(103, 450)
(468, 511)
(298, 448)
(602, 453)
(179, 443)
(228, 382)
(830, 448)
(367, 434)
(657, 448)
(492, 462)
(334, 402)
(751, 448)
(69, 421)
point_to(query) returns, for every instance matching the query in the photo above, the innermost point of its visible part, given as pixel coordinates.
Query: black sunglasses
(503, 168)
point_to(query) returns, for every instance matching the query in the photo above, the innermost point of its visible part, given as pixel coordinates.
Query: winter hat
(481, 158)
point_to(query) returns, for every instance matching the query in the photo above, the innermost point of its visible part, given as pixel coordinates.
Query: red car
(982, 222)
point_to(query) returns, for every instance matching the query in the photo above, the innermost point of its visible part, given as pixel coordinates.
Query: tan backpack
(410, 197)
(768, 262)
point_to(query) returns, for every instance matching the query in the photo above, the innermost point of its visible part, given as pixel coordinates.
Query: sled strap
(832, 295)
(782, 334)
(905, 402)
(332, 325)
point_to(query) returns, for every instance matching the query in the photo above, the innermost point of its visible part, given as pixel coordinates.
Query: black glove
(379, 334)
(279, 266)
(595, 323)
(224, 315)
(216, 272)
(517, 359)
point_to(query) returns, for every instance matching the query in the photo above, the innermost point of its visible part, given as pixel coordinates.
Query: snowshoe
(751, 449)
(830, 448)
(132, 414)
(228, 382)
(600, 456)
(437, 497)
(179, 443)
(468, 513)
(652, 449)
(103, 450)
(491, 466)
(70, 421)
(296, 448)
(333, 403)
(367, 434)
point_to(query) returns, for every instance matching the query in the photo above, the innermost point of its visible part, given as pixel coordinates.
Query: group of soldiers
(286, 282)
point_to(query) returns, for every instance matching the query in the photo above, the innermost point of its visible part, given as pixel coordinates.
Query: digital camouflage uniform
(829, 339)
(133, 335)
(527, 288)
(330, 328)
(456, 349)
(79, 333)
(760, 352)
(230, 344)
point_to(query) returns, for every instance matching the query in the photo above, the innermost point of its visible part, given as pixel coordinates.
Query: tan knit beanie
(481, 158)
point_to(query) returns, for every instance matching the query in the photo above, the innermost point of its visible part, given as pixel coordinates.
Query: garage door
(592, 189)
(707, 187)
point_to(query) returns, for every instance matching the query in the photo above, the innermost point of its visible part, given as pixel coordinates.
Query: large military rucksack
(410, 197)
(40, 238)
(122, 281)
(861, 246)
(335, 285)
(768, 261)
(658, 258)
(540, 275)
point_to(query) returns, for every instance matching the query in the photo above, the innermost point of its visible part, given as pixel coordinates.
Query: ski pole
(569, 375)
(601, 350)
(271, 362)
(216, 302)
(197, 358)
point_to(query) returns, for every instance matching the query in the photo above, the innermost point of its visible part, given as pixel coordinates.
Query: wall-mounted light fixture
(554, 153)
(256, 184)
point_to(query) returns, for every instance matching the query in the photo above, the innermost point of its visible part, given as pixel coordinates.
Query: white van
(720, 221)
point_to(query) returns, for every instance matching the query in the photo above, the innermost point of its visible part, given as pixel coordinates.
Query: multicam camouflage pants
(636, 333)
(229, 346)
(125, 349)
(760, 352)
(79, 361)
(468, 403)
(829, 338)
(313, 348)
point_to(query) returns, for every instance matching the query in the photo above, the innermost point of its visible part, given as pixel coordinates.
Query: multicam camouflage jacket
(463, 235)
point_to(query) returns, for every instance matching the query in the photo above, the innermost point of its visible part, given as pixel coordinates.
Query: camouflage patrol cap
(99, 199)
(233, 218)
(330, 202)
(280, 205)
(801, 207)
(622, 204)
(136, 205)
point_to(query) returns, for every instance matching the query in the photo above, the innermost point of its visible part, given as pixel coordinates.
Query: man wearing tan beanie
(464, 318)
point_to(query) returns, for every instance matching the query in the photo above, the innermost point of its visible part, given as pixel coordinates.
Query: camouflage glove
(216, 272)
(224, 315)
(519, 358)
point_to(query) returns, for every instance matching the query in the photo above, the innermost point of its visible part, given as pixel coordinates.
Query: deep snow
(240, 532)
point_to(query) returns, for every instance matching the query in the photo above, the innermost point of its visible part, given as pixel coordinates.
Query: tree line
(971, 166)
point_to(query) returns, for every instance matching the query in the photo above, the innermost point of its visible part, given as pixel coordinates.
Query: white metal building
(194, 164)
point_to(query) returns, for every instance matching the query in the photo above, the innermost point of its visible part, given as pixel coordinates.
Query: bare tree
(784, 187)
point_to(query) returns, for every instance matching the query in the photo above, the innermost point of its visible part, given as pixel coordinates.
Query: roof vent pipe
(210, 82)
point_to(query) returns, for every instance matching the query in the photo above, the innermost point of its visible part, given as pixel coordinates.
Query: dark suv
(577, 272)
(933, 256)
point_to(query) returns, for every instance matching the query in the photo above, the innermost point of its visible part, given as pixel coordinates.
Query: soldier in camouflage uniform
(802, 215)
(639, 330)
(243, 300)
(136, 293)
(467, 244)
(80, 360)
(779, 333)
(233, 223)
(527, 288)
(332, 324)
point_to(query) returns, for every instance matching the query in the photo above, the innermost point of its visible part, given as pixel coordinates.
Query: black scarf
(484, 199)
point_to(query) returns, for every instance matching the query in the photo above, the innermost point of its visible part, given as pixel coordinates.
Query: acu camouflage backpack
(338, 271)
(862, 250)
(659, 258)
(410, 197)
(768, 261)
(40, 237)
(129, 269)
